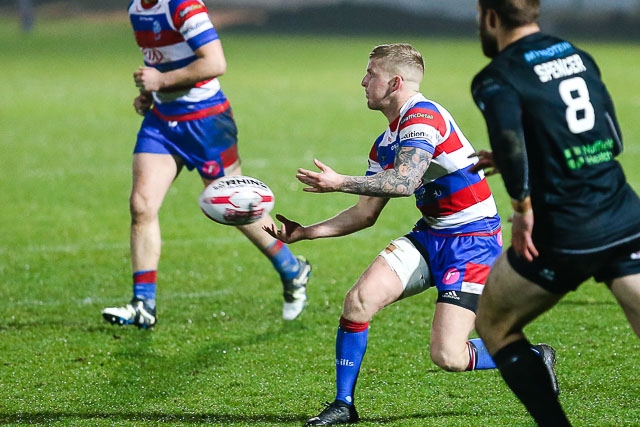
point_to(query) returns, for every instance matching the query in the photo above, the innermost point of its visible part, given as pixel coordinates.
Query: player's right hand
(521, 235)
(289, 232)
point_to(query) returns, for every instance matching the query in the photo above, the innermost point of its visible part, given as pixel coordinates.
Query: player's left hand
(143, 102)
(325, 181)
(521, 232)
(148, 79)
(485, 163)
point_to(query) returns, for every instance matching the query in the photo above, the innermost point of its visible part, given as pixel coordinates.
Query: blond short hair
(400, 58)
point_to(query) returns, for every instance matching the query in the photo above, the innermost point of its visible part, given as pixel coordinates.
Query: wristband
(527, 212)
(521, 207)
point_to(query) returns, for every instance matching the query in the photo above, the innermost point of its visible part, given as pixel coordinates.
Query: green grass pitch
(221, 355)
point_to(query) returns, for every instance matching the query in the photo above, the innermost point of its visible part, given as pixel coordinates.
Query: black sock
(525, 373)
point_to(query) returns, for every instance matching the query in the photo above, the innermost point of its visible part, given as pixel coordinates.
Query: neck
(391, 113)
(507, 37)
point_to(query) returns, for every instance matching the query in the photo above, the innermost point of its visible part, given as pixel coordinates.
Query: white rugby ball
(236, 200)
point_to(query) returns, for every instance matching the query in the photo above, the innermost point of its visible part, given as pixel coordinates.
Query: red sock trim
(472, 356)
(145, 276)
(273, 249)
(349, 326)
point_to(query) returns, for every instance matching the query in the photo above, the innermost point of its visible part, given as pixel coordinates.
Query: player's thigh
(451, 327)
(508, 303)
(627, 292)
(376, 288)
(152, 177)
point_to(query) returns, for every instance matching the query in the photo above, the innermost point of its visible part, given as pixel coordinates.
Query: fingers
(482, 154)
(319, 164)
(309, 178)
(306, 172)
(270, 230)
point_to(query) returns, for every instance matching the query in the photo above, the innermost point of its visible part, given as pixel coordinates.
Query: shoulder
(488, 81)
(181, 10)
(422, 116)
(421, 109)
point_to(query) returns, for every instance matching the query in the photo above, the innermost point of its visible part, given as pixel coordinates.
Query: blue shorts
(459, 264)
(208, 144)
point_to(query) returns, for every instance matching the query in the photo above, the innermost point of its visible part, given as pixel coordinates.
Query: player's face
(377, 85)
(487, 38)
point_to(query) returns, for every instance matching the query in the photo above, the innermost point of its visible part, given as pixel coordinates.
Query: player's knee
(141, 209)
(449, 361)
(357, 307)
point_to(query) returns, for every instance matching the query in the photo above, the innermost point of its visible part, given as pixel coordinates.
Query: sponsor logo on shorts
(211, 168)
(635, 255)
(451, 276)
(547, 274)
(450, 295)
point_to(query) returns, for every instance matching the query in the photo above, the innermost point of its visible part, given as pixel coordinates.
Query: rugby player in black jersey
(554, 138)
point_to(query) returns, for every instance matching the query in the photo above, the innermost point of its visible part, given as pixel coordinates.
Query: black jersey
(554, 134)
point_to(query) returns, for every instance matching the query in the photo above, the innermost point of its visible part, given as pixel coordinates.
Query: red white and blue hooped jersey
(452, 200)
(168, 33)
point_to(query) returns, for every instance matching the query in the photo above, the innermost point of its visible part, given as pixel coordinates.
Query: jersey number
(580, 114)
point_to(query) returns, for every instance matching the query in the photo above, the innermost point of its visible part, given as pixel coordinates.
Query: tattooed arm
(411, 163)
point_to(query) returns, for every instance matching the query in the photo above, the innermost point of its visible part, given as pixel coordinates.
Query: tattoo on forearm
(410, 165)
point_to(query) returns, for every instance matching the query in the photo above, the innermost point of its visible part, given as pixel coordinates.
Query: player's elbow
(221, 68)
(217, 68)
(369, 220)
(212, 66)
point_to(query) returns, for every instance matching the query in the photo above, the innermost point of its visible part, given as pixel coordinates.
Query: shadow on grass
(216, 419)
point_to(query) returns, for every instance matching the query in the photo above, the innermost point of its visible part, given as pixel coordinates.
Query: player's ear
(396, 82)
(491, 19)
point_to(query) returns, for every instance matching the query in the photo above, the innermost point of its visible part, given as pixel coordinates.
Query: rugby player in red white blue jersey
(187, 123)
(423, 153)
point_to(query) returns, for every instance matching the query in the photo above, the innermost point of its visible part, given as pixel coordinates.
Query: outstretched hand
(485, 161)
(325, 181)
(289, 232)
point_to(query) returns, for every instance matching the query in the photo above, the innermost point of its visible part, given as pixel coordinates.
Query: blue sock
(483, 358)
(350, 350)
(144, 287)
(285, 263)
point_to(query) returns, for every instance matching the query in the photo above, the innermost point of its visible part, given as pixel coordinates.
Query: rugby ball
(236, 200)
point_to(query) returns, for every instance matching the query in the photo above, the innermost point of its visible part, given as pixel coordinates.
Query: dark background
(349, 19)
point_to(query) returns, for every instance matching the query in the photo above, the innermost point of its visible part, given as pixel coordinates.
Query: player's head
(512, 14)
(392, 68)
(401, 59)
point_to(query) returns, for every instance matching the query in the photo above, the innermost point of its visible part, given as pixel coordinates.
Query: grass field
(221, 355)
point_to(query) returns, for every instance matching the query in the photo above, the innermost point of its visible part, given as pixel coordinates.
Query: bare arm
(410, 165)
(359, 216)
(210, 63)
